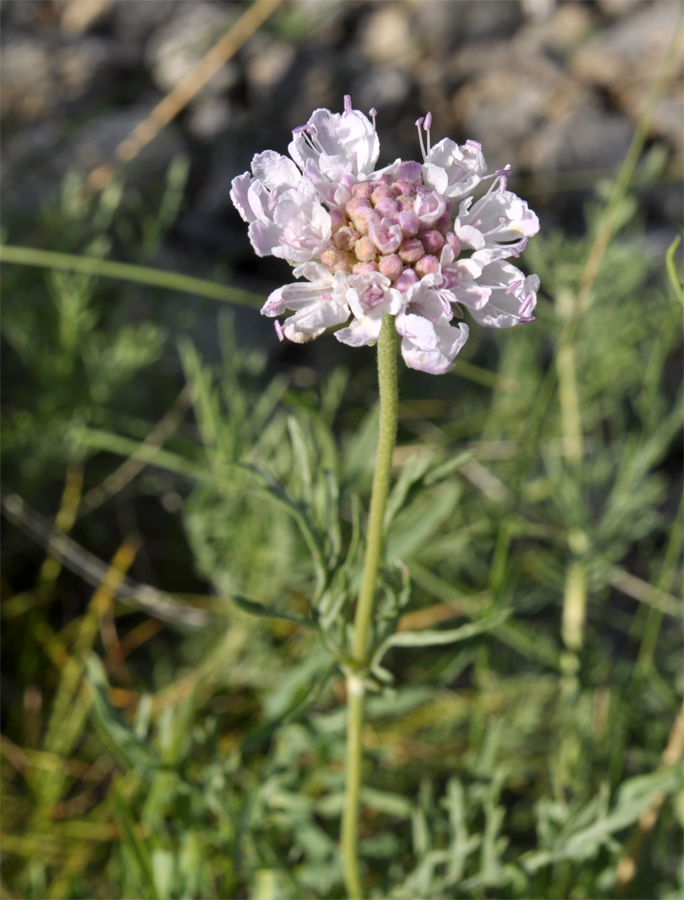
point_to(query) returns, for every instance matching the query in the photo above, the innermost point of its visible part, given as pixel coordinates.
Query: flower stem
(387, 383)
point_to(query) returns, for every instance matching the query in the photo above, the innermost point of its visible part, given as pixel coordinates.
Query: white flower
(511, 296)
(336, 143)
(429, 343)
(409, 240)
(454, 171)
(499, 223)
(318, 304)
(369, 296)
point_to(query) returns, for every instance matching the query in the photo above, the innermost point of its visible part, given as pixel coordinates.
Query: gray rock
(37, 157)
(135, 21)
(448, 24)
(177, 46)
(386, 36)
(78, 16)
(387, 89)
(40, 73)
(625, 60)
(617, 9)
(558, 33)
(590, 139)
(28, 14)
(512, 97)
(268, 66)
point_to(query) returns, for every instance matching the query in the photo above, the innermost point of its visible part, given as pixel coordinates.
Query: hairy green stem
(389, 402)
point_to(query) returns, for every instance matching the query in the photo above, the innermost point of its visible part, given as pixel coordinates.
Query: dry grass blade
(628, 865)
(187, 88)
(131, 467)
(94, 571)
(644, 592)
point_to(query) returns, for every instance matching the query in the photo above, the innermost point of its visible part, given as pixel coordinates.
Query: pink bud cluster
(395, 225)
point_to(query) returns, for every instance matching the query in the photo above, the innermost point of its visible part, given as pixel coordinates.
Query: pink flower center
(395, 225)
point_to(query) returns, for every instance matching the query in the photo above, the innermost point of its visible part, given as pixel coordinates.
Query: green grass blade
(174, 281)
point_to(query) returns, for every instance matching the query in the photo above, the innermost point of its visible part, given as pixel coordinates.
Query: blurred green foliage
(514, 761)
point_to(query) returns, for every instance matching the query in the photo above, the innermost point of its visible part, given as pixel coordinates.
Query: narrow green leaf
(301, 457)
(48, 259)
(635, 796)
(443, 471)
(434, 638)
(420, 520)
(255, 608)
(413, 470)
(116, 734)
(671, 266)
(98, 439)
(135, 844)
(332, 514)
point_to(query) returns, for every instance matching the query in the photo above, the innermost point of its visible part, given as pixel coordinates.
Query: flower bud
(411, 171)
(443, 224)
(363, 189)
(365, 268)
(409, 222)
(337, 218)
(426, 265)
(387, 208)
(411, 250)
(357, 203)
(345, 238)
(365, 249)
(362, 218)
(433, 241)
(386, 235)
(382, 192)
(391, 266)
(405, 187)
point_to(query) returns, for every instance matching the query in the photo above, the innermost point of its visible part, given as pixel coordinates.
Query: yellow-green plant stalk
(387, 382)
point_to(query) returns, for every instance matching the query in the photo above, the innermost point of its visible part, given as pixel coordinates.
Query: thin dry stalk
(628, 864)
(187, 88)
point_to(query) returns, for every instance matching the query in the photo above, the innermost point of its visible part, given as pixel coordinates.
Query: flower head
(410, 240)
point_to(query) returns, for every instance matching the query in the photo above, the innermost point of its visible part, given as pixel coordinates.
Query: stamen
(525, 305)
(427, 125)
(517, 249)
(312, 139)
(347, 104)
(514, 285)
(373, 113)
(419, 123)
(279, 330)
(502, 175)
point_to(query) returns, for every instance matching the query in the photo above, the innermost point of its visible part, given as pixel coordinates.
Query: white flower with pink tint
(429, 342)
(454, 171)
(499, 223)
(369, 296)
(318, 303)
(511, 297)
(409, 240)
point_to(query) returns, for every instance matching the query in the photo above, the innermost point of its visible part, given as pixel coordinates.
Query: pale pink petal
(239, 196)
(437, 356)
(361, 332)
